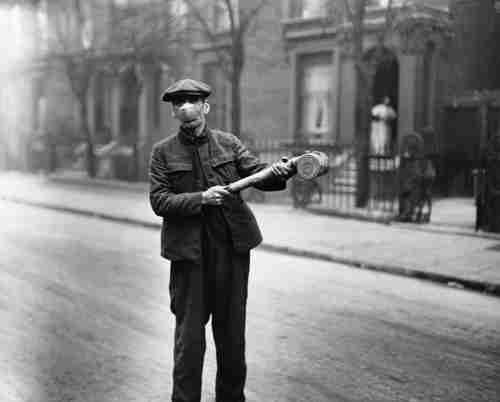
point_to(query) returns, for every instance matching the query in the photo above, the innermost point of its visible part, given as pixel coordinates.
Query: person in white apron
(380, 135)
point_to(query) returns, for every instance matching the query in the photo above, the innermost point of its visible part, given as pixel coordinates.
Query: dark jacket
(175, 197)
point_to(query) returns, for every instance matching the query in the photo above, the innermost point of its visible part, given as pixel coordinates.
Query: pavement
(448, 250)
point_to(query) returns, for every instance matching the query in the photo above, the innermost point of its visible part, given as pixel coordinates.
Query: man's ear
(172, 110)
(206, 107)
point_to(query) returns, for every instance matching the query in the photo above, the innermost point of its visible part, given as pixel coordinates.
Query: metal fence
(356, 184)
(339, 190)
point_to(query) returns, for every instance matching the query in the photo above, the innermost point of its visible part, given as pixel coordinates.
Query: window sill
(304, 28)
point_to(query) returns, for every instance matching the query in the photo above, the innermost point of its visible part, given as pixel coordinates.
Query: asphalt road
(84, 307)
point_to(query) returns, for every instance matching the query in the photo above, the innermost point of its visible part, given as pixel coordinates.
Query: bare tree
(90, 35)
(141, 35)
(231, 56)
(70, 47)
(142, 38)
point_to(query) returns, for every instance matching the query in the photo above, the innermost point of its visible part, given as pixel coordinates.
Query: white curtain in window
(222, 21)
(317, 98)
(41, 118)
(314, 8)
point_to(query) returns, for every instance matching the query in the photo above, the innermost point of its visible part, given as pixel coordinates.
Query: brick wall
(266, 78)
(472, 60)
(475, 47)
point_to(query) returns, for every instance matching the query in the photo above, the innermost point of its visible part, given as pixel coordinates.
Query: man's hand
(214, 195)
(282, 169)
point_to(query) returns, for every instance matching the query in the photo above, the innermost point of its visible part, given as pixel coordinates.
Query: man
(207, 234)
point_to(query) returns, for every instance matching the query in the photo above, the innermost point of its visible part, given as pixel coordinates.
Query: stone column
(294, 96)
(116, 99)
(336, 96)
(416, 97)
(408, 81)
(91, 106)
(347, 94)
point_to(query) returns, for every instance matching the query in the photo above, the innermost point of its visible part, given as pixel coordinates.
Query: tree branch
(247, 19)
(230, 11)
(348, 11)
(222, 54)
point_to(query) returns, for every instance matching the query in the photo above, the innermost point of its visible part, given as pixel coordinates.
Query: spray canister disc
(312, 164)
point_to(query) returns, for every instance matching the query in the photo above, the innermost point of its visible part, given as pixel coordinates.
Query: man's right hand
(214, 195)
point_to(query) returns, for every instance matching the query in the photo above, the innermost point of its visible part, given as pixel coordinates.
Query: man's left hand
(282, 169)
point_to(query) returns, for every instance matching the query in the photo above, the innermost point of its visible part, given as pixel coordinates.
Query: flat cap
(186, 86)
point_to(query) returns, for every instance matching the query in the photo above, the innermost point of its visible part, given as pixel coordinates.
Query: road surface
(84, 306)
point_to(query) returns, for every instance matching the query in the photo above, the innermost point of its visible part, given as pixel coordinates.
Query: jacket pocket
(244, 229)
(180, 175)
(225, 167)
(181, 238)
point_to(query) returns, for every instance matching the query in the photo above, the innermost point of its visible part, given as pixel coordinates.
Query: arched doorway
(382, 134)
(386, 85)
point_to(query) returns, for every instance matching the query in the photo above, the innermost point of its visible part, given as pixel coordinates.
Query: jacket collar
(187, 136)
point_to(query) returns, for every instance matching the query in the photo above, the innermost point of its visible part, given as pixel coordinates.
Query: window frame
(221, 21)
(298, 124)
(296, 9)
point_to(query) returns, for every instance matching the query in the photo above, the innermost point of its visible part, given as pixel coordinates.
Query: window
(102, 108)
(220, 14)
(217, 117)
(41, 117)
(315, 86)
(43, 25)
(309, 8)
(179, 10)
(383, 3)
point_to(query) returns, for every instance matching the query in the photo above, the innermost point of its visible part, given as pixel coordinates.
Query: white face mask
(191, 112)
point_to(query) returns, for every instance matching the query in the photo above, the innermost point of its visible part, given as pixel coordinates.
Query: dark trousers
(218, 286)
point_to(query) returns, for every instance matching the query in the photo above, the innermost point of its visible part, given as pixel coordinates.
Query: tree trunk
(236, 103)
(89, 150)
(238, 62)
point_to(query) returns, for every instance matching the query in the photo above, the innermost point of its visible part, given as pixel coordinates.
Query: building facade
(300, 82)
(299, 77)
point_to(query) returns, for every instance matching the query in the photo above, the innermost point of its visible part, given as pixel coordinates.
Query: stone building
(299, 80)
(128, 63)
(296, 58)
(17, 111)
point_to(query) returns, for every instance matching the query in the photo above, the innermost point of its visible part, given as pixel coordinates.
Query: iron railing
(338, 190)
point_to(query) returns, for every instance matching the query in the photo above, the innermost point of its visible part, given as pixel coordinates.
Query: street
(85, 308)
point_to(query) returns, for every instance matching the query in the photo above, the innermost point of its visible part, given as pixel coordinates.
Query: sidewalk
(446, 251)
